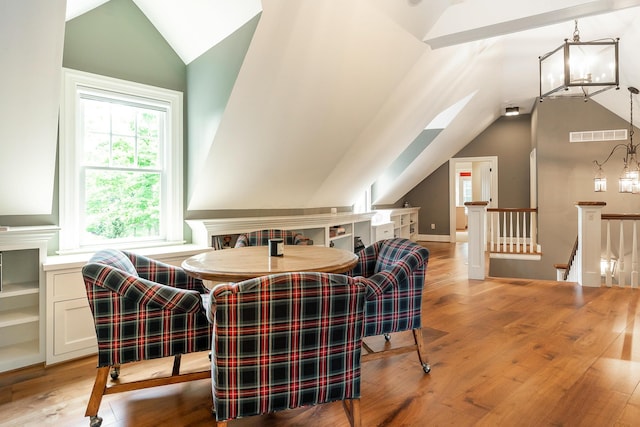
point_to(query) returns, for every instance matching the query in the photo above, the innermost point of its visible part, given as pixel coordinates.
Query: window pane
(467, 190)
(121, 205)
(123, 151)
(97, 116)
(149, 123)
(96, 149)
(123, 120)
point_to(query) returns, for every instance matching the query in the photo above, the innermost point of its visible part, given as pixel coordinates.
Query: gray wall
(565, 176)
(508, 138)
(432, 196)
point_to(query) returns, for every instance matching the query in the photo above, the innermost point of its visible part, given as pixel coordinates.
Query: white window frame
(74, 82)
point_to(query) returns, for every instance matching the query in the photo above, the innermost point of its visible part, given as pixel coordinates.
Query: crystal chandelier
(629, 181)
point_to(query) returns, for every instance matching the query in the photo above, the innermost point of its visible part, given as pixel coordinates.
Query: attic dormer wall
(508, 138)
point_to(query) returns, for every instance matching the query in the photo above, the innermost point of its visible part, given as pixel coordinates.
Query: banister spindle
(518, 242)
(608, 273)
(634, 257)
(621, 266)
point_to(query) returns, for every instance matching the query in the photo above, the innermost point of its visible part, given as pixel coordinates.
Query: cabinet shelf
(18, 316)
(22, 324)
(14, 289)
(27, 352)
(341, 236)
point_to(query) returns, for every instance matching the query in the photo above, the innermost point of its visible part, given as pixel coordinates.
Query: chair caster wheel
(387, 337)
(426, 368)
(95, 421)
(115, 372)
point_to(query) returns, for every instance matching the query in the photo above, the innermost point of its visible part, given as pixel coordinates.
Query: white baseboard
(434, 238)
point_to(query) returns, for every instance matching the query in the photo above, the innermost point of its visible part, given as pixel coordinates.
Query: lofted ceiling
(331, 94)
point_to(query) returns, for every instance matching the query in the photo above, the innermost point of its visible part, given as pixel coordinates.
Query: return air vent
(598, 135)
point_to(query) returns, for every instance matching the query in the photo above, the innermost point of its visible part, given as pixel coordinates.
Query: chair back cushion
(284, 341)
(116, 259)
(261, 238)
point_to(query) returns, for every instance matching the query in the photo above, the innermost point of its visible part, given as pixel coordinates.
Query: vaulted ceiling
(332, 94)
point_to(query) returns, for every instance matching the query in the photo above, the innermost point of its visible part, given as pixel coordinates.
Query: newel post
(477, 220)
(589, 243)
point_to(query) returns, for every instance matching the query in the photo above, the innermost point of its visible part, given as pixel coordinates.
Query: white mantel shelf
(24, 234)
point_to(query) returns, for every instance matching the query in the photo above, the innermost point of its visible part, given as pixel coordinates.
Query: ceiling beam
(530, 22)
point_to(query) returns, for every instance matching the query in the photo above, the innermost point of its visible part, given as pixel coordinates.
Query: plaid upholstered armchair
(394, 270)
(284, 341)
(261, 238)
(142, 309)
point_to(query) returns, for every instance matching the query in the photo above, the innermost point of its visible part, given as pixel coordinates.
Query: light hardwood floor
(503, 353)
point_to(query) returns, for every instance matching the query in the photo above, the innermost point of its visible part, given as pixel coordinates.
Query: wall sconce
(576, 67)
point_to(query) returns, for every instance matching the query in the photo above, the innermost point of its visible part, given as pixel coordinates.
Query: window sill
(159, 252)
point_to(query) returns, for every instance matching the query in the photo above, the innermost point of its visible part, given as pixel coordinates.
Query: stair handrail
(572, 257)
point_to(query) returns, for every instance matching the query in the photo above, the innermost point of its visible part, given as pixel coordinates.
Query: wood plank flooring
(503, 353)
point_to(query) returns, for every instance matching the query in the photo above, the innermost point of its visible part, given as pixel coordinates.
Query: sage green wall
(210, 80)
(117, 40)
(565, 176)
(508, 138)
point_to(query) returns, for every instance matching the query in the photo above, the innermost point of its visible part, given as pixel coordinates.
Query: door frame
(453, 162)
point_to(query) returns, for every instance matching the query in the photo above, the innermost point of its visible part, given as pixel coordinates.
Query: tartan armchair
(285, 341)
(261, 238)
(394, 272)
(142, 309)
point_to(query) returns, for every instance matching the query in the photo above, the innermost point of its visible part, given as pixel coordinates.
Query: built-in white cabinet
(404, 220)
(22, 303)
(383, 231)
(70, 332)
(335, 230)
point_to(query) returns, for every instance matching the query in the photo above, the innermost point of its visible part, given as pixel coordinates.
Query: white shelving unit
(316, 227)
(404, 220)
(22, 303)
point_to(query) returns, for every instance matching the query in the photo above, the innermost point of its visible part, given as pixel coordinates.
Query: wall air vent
(598, 135)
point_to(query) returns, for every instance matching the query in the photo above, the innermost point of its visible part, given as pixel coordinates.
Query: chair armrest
(166, 274)
(141, 291)
(366, 265)
(379, 284)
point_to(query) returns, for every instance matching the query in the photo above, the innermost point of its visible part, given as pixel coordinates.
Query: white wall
(31, 43)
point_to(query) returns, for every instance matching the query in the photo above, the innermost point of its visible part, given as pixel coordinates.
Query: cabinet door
(74, 330)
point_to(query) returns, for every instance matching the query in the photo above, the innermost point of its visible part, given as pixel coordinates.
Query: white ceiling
(332, 92)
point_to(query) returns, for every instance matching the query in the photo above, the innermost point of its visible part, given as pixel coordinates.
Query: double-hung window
(120, 163)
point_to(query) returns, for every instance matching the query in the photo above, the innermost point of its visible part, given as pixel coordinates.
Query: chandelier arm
(611, 154)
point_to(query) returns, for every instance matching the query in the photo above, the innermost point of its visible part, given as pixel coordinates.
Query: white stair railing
(512, 230)
(624, 265)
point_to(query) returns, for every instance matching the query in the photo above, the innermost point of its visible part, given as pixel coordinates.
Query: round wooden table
(237, 264)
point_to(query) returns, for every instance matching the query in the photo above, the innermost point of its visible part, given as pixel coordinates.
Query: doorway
(470, 179)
